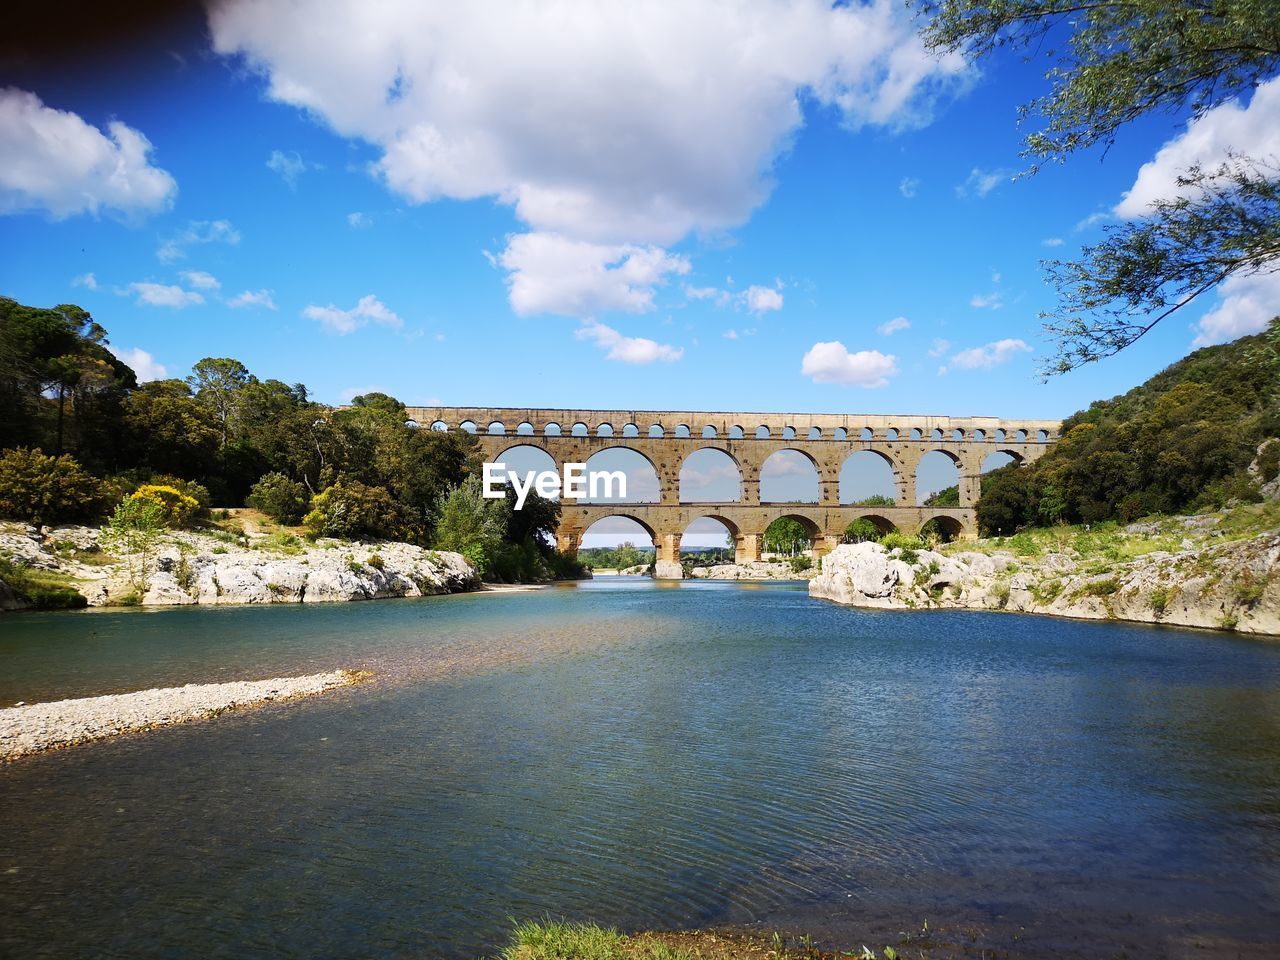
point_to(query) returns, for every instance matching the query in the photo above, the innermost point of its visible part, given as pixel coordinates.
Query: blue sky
(772, 206)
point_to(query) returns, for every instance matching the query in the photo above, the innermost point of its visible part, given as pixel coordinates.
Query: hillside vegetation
(1182, 442)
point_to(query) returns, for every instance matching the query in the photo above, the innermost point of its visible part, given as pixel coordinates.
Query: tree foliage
(786, 535)
(42, 490)
(1110, 64)
(1182, 440)
(281, 499)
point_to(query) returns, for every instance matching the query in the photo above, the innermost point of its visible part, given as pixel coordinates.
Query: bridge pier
(667, 566)
(747, 548)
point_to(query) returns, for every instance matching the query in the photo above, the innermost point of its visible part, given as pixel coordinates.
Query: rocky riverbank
(33, 728)
(759, 570)
(1203, 571)
(217, 566)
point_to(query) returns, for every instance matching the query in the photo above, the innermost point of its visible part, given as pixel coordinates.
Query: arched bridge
(667, 438)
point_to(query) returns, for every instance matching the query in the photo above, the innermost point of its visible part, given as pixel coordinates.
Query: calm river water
(649, 755)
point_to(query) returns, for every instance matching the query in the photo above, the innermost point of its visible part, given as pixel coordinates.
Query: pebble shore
(38, 727)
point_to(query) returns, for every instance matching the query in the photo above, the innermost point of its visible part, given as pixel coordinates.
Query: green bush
(1269, 461)
(801, 563)
(40, 588)
(352, 510)
(281, 499)
(47, 490)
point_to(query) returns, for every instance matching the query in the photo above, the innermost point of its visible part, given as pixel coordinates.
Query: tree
(45, 490)
(134, 532)
(860, 531)
(281, 499)
(170, 431)
(218, 381)
(786, 535)
(1112, 64)
(353, 510)
(470, 524)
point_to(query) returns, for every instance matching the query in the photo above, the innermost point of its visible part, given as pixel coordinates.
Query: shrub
(1269, 461)
(801, 563)
(176, 509)
(42, 589)
(196, 491)
(352, 510)
(1159, 600)
(46, 490)
(375, 560)
(281, 499)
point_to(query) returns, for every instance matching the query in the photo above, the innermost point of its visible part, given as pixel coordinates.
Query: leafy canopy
(1110, 64)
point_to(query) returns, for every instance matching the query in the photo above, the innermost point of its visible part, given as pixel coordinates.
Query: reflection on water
(652, 757)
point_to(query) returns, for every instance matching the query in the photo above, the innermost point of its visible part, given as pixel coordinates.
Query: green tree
(170, 431)
(43, 490)
(786, 535)
(134, 532)
(280, 498)
(353, 510)
(219, 381)
(1111, 64)
(860, 531)
(470, 524)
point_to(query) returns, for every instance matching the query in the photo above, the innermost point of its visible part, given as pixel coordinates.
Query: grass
(43, 589)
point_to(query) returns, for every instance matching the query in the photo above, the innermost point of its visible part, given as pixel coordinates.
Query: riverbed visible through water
(651, 755)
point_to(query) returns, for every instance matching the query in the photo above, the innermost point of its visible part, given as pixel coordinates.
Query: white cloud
(891, 327)
(613, 124)
(289, 164)
(638, 350)
(939, 347)
(86, 280)
(831, 362)
(982, 182)
(253, 298)
(56, 163)
(164, 295)
(201, 280)
(730, 334)
(197, 233)
(142, 363)
(988, 356)
(369, 309)
(993, 300)
(550, 273)
(908, 186)
(1209, 140)
(762, 299)
(1093, 219)
(360, 221)
(1051, 242)
(1246, 305)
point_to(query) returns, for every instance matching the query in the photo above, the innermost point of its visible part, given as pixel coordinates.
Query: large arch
(617, 528)
(942, 527)
(790, 476)
(641, 474)
(812, 533)
(710, 475)
(521, 458)
(713, 536)
(869, 477)
(936, 471)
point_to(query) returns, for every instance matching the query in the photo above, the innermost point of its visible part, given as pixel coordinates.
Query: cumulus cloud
(987, 301)
(1209, 141)
(551, 273)
(1246, 305)
(253, 298)
(1051, 242)
(982, 182)
(939, 347)
(359, 221)
(989, 355)
(289, 164)
(201, 280)
(762, 299)
(368, 310)
(908, 186)
(831, 362)
(197, 233)
(141, 362)
(637, 350)
(891, 327)
(56, 163)
(164, 295)
(86, 280)
(565, 116)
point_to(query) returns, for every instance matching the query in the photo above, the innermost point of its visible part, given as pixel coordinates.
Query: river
(647, 754)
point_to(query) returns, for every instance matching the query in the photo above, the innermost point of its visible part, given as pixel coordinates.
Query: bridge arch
(869, 473)
(579, 429)
(882, 523)
(706, 475)
(643, 483)
(497, 429)
(595, 518)
(936, 470)
(552, 429)
(790, 462)
(945, 528)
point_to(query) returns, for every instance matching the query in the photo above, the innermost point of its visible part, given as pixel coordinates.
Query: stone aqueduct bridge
(667, 438)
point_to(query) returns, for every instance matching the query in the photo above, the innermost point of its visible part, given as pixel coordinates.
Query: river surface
(648, 755)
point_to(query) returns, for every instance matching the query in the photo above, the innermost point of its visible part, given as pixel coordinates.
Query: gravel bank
(47, 726)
